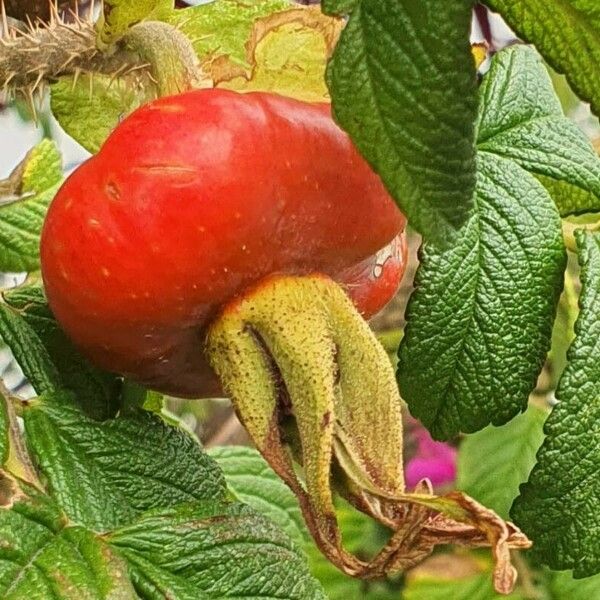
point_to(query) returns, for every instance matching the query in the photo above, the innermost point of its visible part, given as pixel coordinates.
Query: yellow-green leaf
(89, 107)
(119, 15)
(24, 199)
(288, 52)
(222, 28)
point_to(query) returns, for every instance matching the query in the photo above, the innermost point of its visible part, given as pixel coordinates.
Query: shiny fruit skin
(190, 201)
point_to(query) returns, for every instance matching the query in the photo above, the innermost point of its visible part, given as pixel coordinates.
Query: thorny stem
(22, 9)
(45, 51)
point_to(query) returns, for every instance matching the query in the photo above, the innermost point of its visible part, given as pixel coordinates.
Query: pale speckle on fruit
(105, 272)
(94, 223)
(113, 191)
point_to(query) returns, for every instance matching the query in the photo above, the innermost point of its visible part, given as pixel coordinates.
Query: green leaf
(41, 557)
(89, 107)
(521, 118)
(119, 15)
(479, 323)
(253, 481)
(562, 333)
(403, 85)
(493, 462)
(104, 474)
(480, 320)
(558, 506)
(562, 586)
(475, 587)
(339, 7)
(97, 391)
(28, 350)
(221, 550)
(567, 33)
(570, 199)
(223, 27)
(42, 168)
(24, 200)
(193, 551)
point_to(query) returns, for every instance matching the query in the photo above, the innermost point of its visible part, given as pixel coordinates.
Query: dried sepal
(314, 388)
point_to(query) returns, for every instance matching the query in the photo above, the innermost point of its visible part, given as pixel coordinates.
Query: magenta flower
(434, 460)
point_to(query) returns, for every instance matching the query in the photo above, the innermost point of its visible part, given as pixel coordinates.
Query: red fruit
(194, 199)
